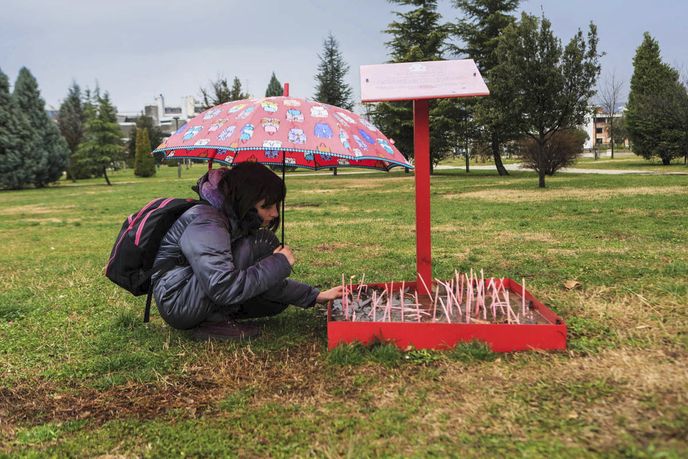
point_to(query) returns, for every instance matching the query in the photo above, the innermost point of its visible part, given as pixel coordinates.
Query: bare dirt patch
(36, 402)
(334, 246)
(291, 375)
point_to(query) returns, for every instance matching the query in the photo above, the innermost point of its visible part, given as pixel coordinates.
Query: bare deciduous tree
(609, 95)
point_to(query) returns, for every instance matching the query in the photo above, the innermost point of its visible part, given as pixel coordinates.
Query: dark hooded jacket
(216, 269)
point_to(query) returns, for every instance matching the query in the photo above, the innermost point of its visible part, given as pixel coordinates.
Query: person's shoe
(227, 330)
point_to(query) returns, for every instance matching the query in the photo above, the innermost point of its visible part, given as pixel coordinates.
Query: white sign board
(421, 80)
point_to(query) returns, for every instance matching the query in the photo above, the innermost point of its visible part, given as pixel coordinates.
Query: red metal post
(286, 90)
(421, 148)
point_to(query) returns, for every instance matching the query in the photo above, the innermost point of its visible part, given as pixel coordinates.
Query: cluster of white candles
(466, 298)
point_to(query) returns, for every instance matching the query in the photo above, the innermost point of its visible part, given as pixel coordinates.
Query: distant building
(597, 126)
(127, 123)
(52, 111)
(170, 118)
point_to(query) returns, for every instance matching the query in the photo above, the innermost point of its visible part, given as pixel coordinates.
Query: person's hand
(286, 251)
(331, 294)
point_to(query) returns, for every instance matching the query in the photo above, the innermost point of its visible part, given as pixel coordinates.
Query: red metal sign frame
(458, 78)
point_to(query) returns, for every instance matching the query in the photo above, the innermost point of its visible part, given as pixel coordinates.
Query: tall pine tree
(417, 35)
(331, 85)
(78, 168)
(14, 148)
(102, 142)
(49, 149)
(274, 87)
(655, 116)
(144, 165)
(478, 32)
(71, 120)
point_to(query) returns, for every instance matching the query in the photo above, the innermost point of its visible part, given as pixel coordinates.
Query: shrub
(560, 150)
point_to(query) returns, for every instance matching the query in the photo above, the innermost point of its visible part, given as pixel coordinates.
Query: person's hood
(207, 189)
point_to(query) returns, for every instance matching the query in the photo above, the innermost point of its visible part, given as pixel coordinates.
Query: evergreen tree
(144, 165)
(102, 139)
(454, 118)
(79, 168)
(479, 32)
(331, 88)
(49, 150)
(14, 149)
(667, 110)
(237, 92)
(541, 86)
(155, 135)
(656, 106)
(217, 94)
(220, 92)
(481, 27)
(274, 87)
(417, 35)
(71, 120)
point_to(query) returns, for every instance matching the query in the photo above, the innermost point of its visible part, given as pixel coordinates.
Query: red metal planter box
(429, 335)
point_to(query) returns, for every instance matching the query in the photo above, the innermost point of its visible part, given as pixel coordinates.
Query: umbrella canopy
(283, 131)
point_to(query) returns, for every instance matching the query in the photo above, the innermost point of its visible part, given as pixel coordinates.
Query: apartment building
(597, 125)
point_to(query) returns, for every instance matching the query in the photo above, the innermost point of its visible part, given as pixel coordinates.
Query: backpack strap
(146, 312)
(161, 269)
(164, 267)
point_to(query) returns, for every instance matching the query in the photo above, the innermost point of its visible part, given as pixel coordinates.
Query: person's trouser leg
(259, 307)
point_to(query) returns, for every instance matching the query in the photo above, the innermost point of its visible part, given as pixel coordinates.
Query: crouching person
(227, 262)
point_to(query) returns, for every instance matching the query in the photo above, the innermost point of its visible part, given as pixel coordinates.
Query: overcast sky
(136, 50)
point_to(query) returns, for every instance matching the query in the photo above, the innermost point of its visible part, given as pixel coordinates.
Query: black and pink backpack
(131, 261)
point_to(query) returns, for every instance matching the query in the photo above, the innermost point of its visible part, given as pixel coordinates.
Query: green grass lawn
(460, 161)
(625, 160)
(82, 375)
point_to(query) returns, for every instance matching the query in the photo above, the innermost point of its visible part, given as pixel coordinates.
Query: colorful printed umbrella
(283, 131)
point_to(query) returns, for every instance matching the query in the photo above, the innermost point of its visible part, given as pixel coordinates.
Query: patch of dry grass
(34, 209)
(586, 194)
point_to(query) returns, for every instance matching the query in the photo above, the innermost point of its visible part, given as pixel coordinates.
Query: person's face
(267, 212)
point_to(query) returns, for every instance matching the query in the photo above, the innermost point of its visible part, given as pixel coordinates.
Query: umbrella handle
(284, 159)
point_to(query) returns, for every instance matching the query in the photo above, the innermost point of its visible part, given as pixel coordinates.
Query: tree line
(539, 87)
(331, 87)
(541, 91)
(85, 142)
(32, 150)
(88, 120)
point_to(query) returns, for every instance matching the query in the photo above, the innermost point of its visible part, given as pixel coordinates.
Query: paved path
(571, 170)
(509, 167)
